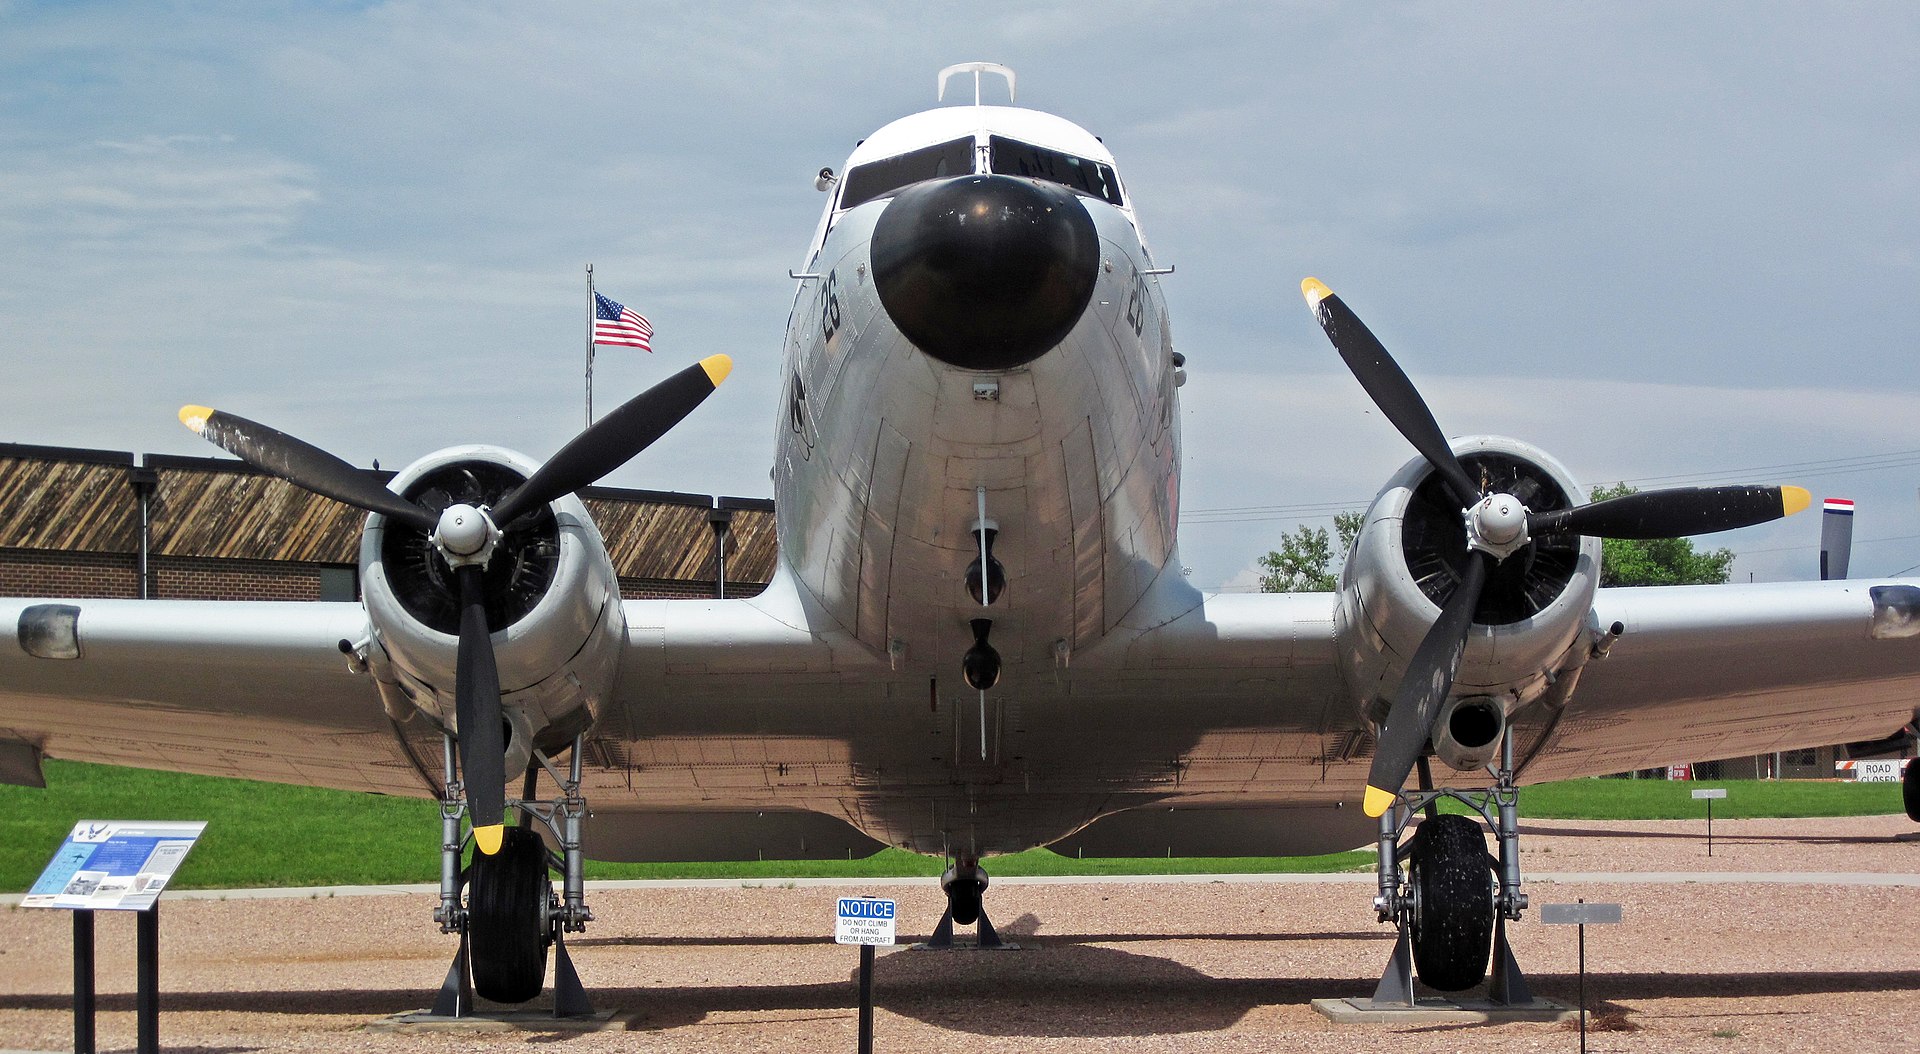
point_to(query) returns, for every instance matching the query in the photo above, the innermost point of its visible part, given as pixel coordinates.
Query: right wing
(253, 689)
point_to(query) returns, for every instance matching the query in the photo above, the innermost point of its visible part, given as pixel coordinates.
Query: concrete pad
(1438, 1010)
(419, 1022)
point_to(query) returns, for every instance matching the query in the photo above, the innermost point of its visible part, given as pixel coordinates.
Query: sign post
(83, 975)
(866, 921)
(1708, 796)
(1582, 914)
(115, 865)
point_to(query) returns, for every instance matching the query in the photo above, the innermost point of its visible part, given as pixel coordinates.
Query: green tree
(1659, 561)
(1302, 563)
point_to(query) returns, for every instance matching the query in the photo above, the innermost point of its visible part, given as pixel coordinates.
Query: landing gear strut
(965, 883)
(510, 917)
(1455, 901)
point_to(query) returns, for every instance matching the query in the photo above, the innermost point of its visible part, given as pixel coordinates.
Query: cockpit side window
(1014, 158)
(880, 178)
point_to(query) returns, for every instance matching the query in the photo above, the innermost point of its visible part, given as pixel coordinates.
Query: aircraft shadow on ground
(1053, 940)
(1058, 986)
(1107, 993)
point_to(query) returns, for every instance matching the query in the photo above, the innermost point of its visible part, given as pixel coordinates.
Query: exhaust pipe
(1467, 734)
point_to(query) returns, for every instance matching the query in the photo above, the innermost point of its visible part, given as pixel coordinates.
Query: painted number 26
(1137, 304)
(830, 308)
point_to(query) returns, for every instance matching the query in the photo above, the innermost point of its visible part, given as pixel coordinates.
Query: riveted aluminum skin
(1080, 472)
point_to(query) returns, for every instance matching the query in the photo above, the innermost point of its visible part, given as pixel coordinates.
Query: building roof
(81, 500)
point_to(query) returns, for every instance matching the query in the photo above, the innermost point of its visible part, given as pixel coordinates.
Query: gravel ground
(1706, 965)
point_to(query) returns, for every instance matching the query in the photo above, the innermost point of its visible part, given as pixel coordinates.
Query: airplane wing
(251, 689)
(1696, 673)
(1706, 672)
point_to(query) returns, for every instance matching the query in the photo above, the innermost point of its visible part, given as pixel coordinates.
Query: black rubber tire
(506, 929)
(1910, 790)
(1452, 925)
(963, 897)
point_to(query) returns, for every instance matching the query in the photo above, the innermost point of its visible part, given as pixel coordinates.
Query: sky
(1666, 243)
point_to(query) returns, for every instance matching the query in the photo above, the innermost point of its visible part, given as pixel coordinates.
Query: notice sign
(864, 920)
(113, 865)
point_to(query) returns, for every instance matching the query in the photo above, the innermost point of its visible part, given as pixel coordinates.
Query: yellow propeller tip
(488, 838)
(717, 367)
(1314, 290)
(1793, 499)
(195, 417)
(1378, 801)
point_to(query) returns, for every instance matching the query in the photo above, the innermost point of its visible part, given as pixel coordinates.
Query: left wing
(1705, 672)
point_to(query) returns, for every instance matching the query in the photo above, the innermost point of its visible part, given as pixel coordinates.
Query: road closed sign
(1885, 771)
(863, 920)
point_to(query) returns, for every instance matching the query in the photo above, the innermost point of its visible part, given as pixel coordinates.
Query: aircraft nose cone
(985, 272)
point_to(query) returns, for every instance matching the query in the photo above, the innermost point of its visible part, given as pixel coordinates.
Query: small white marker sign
(1717, 792)
(1579, 914)
(863, 920)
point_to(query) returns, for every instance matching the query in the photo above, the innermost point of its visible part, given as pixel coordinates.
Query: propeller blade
(477, 707)
(614, 439)
(1677, 513)
(1387, 385)
(301, 463)
(1429, 677)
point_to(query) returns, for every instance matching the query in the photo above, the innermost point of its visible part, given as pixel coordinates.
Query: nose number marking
(830, 307)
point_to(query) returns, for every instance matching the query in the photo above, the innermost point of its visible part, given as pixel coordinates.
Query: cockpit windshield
(1009, 157)
(880, 178)
(1014, 158)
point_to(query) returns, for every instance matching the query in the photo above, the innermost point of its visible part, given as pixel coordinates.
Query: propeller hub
(1497, 525)
(465, 535)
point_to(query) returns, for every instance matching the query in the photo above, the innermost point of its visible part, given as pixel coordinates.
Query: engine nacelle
(1407, 561)
(553, 605)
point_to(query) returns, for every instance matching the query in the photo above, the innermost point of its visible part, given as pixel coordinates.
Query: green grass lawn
(266, 834)
(1609, 799)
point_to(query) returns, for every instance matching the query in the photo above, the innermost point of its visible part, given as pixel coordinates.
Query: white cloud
(157, 194)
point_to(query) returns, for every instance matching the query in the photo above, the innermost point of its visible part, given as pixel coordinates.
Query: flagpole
(590, 318)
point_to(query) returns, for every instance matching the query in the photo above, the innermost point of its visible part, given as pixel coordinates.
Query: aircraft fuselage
(888, 454)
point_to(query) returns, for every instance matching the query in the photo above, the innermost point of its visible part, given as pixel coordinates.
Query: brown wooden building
(103, 523)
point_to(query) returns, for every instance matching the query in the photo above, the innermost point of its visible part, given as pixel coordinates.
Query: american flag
(614, 323)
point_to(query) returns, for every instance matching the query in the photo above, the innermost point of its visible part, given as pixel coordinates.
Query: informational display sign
(863, 920)
(1716, 792)
(114, 865)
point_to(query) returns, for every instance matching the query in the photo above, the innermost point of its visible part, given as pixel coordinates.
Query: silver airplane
(978, 639)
